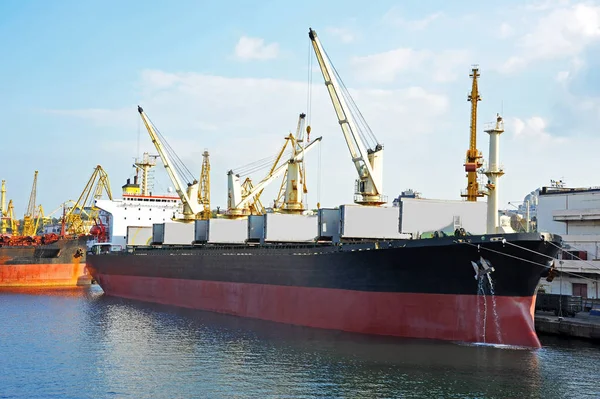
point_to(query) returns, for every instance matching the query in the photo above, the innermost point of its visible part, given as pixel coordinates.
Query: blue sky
(232, 77)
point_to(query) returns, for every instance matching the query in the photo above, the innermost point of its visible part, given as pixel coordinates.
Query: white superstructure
(136, 209)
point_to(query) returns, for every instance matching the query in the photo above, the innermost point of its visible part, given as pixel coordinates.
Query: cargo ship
(48, 260)
(407, 288)
(431, 269)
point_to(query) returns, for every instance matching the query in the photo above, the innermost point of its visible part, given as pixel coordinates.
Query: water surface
(79, 343)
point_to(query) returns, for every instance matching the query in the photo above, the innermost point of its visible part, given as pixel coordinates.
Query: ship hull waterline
(392, 296)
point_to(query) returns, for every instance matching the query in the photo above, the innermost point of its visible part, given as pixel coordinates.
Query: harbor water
(80, 343)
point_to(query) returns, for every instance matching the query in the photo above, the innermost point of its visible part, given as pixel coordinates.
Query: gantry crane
(204, 190)
(474, 159)
(239, 202)
(368, 161)
(29, 220)
(82, 216)
(192, 208)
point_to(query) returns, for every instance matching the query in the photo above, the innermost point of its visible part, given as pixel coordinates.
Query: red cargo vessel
(47, 260)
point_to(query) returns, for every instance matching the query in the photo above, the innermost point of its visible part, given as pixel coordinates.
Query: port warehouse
(574, 214)
(412, 218)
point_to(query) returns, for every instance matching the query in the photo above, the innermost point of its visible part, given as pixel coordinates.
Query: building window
(580, 289)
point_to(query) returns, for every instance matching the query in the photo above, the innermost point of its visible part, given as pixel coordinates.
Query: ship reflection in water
(81, 343)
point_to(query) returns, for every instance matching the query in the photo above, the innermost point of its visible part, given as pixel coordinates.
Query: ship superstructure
(137, 209)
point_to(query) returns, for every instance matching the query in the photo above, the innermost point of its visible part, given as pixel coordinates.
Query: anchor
(482, 267)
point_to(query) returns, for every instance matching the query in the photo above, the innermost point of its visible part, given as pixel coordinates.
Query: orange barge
(47, 260)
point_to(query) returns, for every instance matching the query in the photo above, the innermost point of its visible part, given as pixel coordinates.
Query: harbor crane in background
(192, 208)
(83, 216)
(368, 160)
(3, 209)
(474, 159)
(242, 199)
(31, 218)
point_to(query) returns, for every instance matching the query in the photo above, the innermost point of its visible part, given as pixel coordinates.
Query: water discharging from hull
(495, 309)
(483, 280)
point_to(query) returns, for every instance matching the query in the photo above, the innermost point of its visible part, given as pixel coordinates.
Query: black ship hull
(434, 288)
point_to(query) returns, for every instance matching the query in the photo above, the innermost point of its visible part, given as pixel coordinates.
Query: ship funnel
(135, 179)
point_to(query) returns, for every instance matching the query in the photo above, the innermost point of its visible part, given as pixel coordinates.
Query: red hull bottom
(466, 318)
(43, 275)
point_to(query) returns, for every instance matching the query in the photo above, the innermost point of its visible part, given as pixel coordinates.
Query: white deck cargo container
(418, 216)
(139, 235)
(281, 227)
(226, 231)
(256, 228)
(173, 233)
(329, 224)
(371, 222)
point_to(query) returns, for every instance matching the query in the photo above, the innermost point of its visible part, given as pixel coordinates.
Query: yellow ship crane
(176, 170)
(474, 157)
(29, 223)
(366, 151)
(293, 185)
(82, 216)
(12, 222)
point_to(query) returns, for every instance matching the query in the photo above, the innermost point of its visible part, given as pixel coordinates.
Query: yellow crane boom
(474, 156)
(82, 216)
(29, 224)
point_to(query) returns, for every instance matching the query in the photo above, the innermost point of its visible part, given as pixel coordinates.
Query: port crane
(474, 159)
(242, 202)
(368, 160)
(82, 217)
(31, 218)
(189, 196)
(3, 209)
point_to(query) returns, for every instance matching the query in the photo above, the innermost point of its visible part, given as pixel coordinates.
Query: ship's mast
(148, 161)
(367, 161)
(474, 157)
(494, 172)
(204, 191)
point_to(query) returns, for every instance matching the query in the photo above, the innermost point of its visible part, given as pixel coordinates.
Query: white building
(574, 214)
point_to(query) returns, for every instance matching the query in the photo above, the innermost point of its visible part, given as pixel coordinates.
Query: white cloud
(563, 31)
(505, 31)
(345, 35)
(533, 128)
(386, 66)
(254, 48)
(394, 17)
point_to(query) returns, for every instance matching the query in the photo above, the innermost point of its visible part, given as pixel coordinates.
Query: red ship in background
(29, 257)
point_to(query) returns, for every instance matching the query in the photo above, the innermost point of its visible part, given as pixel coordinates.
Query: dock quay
(582, 325)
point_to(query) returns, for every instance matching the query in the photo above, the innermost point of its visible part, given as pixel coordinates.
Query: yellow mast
(204, 192)
(474, 157)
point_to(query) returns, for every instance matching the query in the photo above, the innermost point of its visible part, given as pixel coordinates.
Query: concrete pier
(581, 326)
